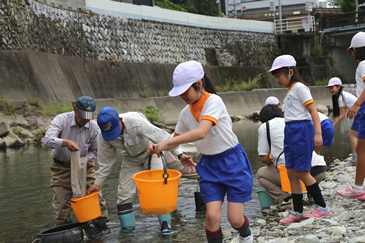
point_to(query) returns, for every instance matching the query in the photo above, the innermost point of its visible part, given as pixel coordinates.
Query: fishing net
(78, 174)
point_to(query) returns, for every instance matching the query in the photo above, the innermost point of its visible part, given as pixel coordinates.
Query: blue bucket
(265, 199)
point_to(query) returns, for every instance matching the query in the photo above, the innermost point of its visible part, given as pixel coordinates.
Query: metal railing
(295, 25)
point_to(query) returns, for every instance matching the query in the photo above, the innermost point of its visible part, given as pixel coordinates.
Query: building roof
(327, 11)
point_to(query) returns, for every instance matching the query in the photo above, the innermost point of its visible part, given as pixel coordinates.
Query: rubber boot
(199, 205)
(165, 223)
(128, 222)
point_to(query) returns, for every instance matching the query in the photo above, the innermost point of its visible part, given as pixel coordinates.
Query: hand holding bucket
(157, 189)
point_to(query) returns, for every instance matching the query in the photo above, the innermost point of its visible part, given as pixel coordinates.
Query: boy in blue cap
(131, 133)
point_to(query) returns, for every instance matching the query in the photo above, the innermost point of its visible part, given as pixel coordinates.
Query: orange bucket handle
(68, 200)
(165, 175)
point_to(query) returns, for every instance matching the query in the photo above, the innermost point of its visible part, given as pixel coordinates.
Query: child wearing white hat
(342, 100)
(224, 168)
(357, 47)
(301, 135)
(272, 100)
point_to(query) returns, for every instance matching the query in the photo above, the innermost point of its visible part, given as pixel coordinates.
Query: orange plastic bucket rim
(86, 208)
(156, 197)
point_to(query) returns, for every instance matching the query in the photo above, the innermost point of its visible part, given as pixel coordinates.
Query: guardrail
(294, 25)
(342, 20)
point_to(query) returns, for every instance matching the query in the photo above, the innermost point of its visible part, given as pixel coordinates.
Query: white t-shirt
(322, 117)
(296, 99)
(346, 100)
(277, 126)
(220, 136)
(360, 77)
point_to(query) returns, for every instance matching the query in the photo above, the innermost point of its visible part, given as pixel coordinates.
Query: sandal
(351, 163)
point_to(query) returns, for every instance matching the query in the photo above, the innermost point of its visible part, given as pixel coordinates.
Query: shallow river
(25, 204)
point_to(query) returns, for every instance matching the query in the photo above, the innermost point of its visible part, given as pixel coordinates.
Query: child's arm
(340, 118)
(311, 108)
(188, 137)
(355, 107)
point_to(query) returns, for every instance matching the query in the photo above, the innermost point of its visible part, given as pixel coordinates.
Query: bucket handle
(165, 175)
(68, 200)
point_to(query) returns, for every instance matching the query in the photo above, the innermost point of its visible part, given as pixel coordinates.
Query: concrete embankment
(238, 103)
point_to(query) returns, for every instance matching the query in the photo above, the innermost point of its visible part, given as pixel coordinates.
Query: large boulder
(13, 140)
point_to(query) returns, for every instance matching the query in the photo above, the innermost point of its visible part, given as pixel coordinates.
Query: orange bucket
(156, 197)
(285, 183)
(86, 208)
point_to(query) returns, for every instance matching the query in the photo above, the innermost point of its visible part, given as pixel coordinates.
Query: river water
(25, 204)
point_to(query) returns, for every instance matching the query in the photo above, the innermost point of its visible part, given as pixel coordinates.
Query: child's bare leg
(360, 166)
(213, 215)
(352, 135)
(295, 184)
(235, 214)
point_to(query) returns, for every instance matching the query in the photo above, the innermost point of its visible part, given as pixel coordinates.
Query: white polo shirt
(276, 126)
(220, 136)
(297, 98)
(322, 117)
(360, 78)
(346, 100)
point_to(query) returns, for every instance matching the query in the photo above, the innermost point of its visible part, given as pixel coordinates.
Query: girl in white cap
(300, 138)
(342, 100)
(357, 47)
(224, 167)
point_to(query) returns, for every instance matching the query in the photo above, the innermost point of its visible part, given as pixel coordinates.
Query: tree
(346, 5)
(169, 5)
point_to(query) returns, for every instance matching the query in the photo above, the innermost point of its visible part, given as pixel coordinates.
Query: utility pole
(219, 8)
(272, 8)
(281, 18)
(234, 9)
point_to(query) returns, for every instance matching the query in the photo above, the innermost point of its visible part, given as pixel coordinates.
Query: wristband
(179, 155)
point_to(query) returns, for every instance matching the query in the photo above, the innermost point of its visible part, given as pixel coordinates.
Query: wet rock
(4, 129)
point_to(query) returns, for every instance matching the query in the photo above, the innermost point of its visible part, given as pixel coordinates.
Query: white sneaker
(247, 239)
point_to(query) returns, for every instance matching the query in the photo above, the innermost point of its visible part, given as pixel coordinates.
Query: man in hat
(70, 132)
(131, 133)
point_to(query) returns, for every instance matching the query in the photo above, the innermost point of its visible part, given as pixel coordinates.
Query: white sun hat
(272, 100)
(357, 40)
(185, 74)
(283, 61)
(334, 81)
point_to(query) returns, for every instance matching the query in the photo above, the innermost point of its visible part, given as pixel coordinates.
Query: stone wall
(30, 25)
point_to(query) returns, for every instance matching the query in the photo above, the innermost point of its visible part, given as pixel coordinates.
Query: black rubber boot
(199, 205)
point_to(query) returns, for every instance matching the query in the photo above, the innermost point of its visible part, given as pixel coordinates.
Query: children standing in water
(224, 166)
(342, 100)
(300, 138)
(356, 191)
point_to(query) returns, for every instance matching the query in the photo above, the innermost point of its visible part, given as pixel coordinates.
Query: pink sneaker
(350, 193)
(319, 212)
(292, 218)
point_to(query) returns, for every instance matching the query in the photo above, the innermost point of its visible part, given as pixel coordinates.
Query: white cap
(357, 40)
(334, 81)
(283, 61)
(185, 74)
(272, 100)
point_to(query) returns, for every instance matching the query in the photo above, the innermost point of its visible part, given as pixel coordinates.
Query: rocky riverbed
(347, 224)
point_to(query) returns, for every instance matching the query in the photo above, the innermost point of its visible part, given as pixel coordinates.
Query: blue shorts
(299, 144)
(359, 115)
(328, 132)
(228, 172)
(361, 121)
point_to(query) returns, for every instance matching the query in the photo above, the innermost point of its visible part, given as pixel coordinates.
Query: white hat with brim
(283, 61)
(185, 75)
(272, 100)
(334, 81)
(357, 41)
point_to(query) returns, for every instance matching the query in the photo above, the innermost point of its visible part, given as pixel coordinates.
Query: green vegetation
(153, 114)
(57, 108)
(204, 7)
(331, 62)
(16, 130)
(346, 5)
(245, 84)
(39, 134)
(317, 51)
(6, 107)
(35, 102)
(321, 82)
